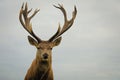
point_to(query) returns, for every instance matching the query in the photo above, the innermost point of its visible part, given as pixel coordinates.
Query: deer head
(44, 48)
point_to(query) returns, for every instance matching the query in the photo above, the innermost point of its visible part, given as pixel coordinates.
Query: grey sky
(90, 50)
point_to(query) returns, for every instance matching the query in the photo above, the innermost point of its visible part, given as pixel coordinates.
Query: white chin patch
(46, 60)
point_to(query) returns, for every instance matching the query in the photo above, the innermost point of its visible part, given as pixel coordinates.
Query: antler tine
(53, 37)
(67, 23)
(25, 20)
(63, 10)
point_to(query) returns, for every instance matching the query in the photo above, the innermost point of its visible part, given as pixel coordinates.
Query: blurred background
(90, 49)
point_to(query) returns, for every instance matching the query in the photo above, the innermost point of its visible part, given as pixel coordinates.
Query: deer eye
(49, 48)
(39, 48)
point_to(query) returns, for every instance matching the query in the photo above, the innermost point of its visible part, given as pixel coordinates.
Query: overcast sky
(90, 50)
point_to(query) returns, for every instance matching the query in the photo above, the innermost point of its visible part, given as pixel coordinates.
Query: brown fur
(41, 69)
(35, 72)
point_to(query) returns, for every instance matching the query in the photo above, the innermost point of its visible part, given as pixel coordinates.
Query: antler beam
(67, 23)
(25, 20)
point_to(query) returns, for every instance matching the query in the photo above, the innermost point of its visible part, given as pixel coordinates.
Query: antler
(67, 23)
(26, 21)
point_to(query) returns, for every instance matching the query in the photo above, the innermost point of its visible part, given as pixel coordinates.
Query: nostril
(45, 55)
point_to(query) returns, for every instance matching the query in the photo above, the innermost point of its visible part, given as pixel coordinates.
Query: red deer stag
(41, 67)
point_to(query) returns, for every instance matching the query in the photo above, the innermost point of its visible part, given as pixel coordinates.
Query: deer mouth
(44, 61)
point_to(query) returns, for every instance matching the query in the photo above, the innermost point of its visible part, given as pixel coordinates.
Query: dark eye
(39, 48)
(51, 48)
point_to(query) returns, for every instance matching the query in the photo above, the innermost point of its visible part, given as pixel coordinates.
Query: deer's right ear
(32, 41)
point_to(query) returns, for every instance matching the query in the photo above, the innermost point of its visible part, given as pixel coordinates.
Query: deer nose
(45, 56)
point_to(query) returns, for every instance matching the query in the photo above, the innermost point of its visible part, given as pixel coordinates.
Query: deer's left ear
(57, 41)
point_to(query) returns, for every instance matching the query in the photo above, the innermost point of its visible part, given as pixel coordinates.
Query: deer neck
(42, 70)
